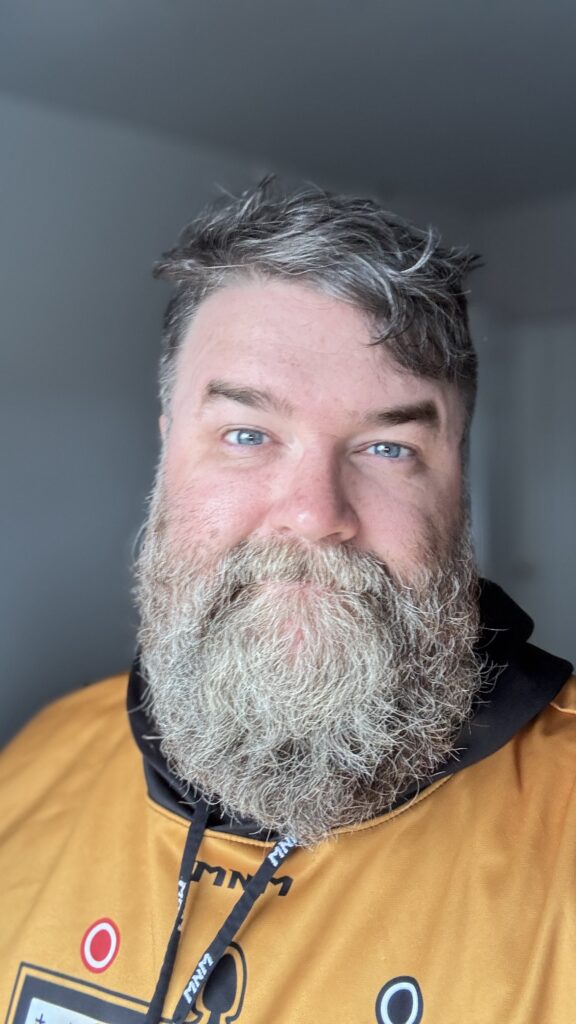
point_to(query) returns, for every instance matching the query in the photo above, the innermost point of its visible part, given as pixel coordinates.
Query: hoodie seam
(367, 826)
(563, 711)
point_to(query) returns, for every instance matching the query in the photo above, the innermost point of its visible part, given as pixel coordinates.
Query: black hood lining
(526, 680)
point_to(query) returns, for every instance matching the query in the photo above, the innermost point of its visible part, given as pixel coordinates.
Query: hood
(526, 680)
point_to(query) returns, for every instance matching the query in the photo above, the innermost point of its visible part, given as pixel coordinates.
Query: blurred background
(120, 118)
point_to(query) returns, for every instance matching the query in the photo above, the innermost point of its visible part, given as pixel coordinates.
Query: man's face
(306, 586)
(286, 423)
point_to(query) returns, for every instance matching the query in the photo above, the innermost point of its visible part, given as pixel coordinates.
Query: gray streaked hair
(408, 284)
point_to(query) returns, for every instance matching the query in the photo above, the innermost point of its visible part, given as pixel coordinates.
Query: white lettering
(281, 850)
(198, 977)
(181, 891)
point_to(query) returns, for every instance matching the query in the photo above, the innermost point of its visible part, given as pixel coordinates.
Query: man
(344, 787)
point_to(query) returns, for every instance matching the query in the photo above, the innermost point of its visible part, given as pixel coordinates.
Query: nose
(311, 503)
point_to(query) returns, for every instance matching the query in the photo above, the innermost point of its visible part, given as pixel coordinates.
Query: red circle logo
(100, 945)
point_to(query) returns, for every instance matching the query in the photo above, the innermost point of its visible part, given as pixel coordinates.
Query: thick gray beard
(304, 688)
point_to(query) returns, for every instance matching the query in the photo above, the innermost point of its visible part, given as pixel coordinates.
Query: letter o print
(400, 1002)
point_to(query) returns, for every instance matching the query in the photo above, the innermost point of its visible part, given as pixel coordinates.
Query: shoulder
(551, 738)
(88, 709)
(559, 723)
(565, 701)
(66, 742)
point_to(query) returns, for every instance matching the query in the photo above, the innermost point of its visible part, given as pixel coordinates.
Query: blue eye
(246, 438)
(389, 450)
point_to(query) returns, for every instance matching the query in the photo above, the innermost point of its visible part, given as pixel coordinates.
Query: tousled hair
(402, 278)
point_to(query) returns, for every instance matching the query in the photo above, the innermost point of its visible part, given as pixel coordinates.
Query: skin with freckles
(287, 423)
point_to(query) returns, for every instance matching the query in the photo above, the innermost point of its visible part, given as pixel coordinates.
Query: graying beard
(326, 733)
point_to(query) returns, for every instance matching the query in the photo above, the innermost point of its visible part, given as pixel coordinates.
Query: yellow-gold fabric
(457, 908)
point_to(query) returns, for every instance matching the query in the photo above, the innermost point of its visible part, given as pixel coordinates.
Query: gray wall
(528, 410)
(85, 209)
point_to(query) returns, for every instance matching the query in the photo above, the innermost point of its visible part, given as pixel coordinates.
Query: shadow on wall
(86, 208)
(527, 414)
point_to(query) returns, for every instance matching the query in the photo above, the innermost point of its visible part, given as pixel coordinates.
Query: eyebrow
(246, 396)
(425, 412)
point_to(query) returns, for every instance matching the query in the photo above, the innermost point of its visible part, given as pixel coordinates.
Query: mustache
(252, 562)
(243, 573)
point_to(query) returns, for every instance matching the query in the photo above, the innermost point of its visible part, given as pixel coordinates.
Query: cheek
(419, 526)
(397, 534)
(205, 511)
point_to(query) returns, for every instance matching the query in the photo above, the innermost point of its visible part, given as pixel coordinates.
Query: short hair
(408, 284)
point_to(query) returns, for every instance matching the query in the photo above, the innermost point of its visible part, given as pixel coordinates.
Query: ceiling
(471, 104)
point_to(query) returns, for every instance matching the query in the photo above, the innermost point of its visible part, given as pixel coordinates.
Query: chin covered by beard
(304, 688)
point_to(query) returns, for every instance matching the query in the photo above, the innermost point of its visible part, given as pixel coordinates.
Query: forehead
(308, 347)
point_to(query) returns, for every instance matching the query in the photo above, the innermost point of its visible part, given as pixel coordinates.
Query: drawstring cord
(191, 847)
(212, 955)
